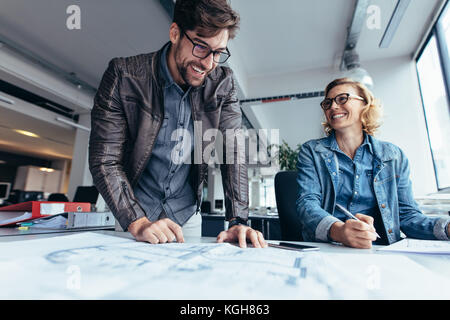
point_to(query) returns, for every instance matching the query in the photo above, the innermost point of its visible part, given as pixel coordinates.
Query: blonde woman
(366, 176)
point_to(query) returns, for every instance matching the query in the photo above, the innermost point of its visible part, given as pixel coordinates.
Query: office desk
(119, 268)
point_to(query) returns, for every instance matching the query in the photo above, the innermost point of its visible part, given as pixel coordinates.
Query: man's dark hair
(208, 17)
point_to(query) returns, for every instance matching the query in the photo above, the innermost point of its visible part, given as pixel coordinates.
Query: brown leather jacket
(126, 118)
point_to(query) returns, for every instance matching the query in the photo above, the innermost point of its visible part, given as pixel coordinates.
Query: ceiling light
(47, 169)
(361, 75)
(7, 100)
(354, 70)
(27, 133)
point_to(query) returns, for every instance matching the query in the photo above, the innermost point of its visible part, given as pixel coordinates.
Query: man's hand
(354, 233)
(161, 231)
(241, 233)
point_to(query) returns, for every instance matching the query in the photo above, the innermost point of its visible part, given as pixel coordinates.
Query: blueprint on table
(419, 246)
(97, 266)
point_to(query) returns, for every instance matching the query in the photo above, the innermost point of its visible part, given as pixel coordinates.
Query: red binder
(21, 212)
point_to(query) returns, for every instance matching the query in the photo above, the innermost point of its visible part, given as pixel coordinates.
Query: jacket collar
(334, 145)
(383, 151)
(166, 77)
(155, 66)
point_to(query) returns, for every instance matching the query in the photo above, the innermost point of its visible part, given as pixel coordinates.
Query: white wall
(396, 86)
(297, 121)
(79, 173)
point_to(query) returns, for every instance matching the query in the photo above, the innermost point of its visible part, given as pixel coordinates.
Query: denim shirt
(165, 183)
(318, 180)
(355, 189)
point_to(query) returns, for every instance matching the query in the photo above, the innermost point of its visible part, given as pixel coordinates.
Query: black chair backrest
(86, 194)
(286, 192)
(58, 197)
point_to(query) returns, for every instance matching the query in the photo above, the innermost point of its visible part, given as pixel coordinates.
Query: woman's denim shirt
(318, 178)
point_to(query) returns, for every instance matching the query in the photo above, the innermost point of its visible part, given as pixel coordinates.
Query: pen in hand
(350, 215)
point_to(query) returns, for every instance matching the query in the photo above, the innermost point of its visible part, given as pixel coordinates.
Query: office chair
(61, 197)
(206, 207)
(286, 191)
(86, 194)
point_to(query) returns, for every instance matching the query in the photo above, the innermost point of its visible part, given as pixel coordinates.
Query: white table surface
(438, 264)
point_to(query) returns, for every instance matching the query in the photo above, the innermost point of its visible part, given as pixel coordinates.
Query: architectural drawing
(96, 266)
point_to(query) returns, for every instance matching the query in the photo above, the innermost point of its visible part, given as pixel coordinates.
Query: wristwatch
(237, 221)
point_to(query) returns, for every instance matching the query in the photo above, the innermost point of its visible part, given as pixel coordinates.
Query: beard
(189, 79)
(185, 70)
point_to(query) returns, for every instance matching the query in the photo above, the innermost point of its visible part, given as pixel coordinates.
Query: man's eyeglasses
(339, 99)
(203, 51)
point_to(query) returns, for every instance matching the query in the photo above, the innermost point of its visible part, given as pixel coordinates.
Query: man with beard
(142, 134)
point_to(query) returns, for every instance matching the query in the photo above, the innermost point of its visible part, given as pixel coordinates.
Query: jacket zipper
(199, 199)
(125, 191)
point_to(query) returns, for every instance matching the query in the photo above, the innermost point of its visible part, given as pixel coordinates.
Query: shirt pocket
(341, 181)
(369, 176)
(163, 132)
(384, 177)
(369, 180)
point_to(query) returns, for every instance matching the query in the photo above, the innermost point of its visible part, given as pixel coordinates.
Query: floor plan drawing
(97, 266)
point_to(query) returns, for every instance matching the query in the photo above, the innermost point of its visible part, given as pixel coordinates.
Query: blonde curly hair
(370, 116)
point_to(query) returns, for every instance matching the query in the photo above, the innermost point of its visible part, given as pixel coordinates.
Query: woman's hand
(354, 233)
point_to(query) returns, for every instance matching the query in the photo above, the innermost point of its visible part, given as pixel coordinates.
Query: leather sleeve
(106, 149)
(234, 170)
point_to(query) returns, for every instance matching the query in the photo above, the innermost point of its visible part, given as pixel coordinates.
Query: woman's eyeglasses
(339, 99)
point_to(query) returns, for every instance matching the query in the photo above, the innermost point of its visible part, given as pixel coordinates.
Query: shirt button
(334, 173)
(329, 160)
(375, 180)
(356, 192)
(357, 177)
(383, 206)
(390, 230)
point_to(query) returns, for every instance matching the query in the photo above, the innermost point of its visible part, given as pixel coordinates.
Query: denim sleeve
(446, 230)
(413, 222)
(315, 220)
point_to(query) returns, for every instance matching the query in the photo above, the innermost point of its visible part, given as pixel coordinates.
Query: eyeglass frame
(209, 48)
(349, 95)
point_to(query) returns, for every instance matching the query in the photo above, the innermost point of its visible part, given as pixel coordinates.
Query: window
(267, 193)
(434, 78)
